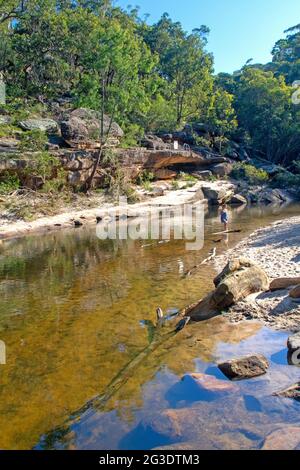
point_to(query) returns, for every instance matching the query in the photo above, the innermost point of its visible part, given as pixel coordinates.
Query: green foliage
(188, 178)
(46, 167)
(175, 185)
(249, 173)
(8, 183)
(287, 180)
(34, 140)
(145, 177)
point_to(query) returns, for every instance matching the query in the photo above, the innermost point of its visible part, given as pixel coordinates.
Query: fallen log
(240, 278)
(284, 282)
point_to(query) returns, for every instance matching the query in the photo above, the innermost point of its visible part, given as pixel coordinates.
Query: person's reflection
(226, 238)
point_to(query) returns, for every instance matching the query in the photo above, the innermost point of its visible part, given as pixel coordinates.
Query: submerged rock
(210, 383)
(286, 438)
(44, 125)
(245, 367)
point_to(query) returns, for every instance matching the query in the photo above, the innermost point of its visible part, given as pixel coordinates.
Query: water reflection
(70, 315)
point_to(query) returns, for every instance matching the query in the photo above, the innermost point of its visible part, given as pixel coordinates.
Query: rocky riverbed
(277, 250)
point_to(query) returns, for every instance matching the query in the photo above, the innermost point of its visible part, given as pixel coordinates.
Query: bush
(9, 183)
(145, 177)
(33, 140)
(188, 178)
(249, 173)
(175, 185)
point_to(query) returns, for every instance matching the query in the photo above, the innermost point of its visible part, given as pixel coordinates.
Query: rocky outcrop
(8, 145)
(240, 278)
(222, 169)
(245, 367)
(81, 128)
(269, 196)
(134, 161)
(45, 125)
(4, 119)
(238, 200)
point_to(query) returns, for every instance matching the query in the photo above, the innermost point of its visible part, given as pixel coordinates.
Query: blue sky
(240, 29)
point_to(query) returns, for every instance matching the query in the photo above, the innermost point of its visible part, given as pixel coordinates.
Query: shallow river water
(75, 311)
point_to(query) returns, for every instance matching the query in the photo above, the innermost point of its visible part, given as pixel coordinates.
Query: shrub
(9, 183)
(175, 185)
(249, 173)
(286, 180)
(145, 177)
(187, 177)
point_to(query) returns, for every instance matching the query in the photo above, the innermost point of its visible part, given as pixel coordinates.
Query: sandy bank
(66, 219)
(277, 250)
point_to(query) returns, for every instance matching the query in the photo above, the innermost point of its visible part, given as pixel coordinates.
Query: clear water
(75, 311)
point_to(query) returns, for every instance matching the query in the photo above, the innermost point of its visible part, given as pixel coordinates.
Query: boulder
(240, 278)
(82, 129)
(286, 438)
(222, 169)
(165, 174)
(292, 392)
(209, 383)
(245, 367)
(203, 175)
(45, 125)
(293, 343)
(272, 196)
(4, 119)
(284, 282)
(157, 192)
(238, 200)
(295, 293)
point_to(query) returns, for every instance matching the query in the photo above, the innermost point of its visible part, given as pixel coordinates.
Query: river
(75, 310)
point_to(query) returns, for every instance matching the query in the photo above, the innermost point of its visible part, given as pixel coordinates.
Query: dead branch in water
(205, 261)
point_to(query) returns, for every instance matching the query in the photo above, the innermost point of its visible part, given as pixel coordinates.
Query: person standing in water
(225, 217)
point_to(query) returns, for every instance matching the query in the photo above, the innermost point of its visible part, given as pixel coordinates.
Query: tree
(286, 55)
(264, 109)
(184, 65)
